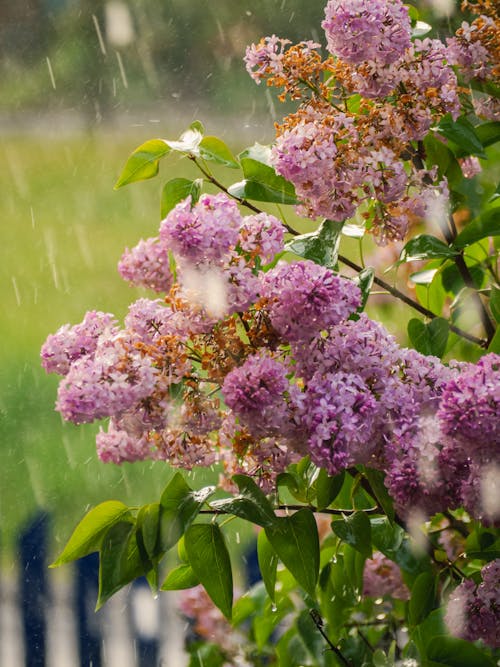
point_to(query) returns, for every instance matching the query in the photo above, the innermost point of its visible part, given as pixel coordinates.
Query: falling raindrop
(51, 73)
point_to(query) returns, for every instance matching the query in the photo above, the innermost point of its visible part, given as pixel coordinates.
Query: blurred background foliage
(82, 83)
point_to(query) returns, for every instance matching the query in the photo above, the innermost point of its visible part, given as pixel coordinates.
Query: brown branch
(414, 304)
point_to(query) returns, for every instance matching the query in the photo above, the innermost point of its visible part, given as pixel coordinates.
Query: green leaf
(148, 523)
(327, 488)
(292, 483)
(179, 507)
(356, 531)
(387, 537)
(180, 578)
(205, 654)
(488, 133)
(251, 504)
(354, 563)
(88, 534)
(364, 280)
(269, 618)
(494, 345)
(178, 189)
(376, 480)
(488, 224)
(321, 246)
(295, 540)
(143, 163)
(431, 338)
(120, 561)
(422, 598)
(213, 148)
(454, 652)
(268, 562)
(262, 183)
(462, 133)
(209, 558)
(495, 302)
(426, 246)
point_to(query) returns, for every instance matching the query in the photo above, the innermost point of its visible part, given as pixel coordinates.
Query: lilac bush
(256, 357)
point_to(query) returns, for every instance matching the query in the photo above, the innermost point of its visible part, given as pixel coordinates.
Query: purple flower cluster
(70, 343)
(474, 611)
(147, 265)
(203, 233)
(359, 30)
(261, 395)
(305, 298)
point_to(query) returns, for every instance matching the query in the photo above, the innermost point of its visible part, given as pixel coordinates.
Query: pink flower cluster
(473, 612)
(341, 159)
(285, 368)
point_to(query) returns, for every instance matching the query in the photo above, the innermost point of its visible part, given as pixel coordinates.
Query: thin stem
(463, 269)
(211, 178)
(293, 508)
(318, 622)
(414, 304)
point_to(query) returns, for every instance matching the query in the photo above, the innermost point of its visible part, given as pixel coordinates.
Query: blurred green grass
(63, 231)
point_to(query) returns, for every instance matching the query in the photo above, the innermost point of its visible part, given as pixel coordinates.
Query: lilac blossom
(117, 445)
(260, 394)
(70, 343)
(147, 265)
(341, 417)
(470, 407)
(381, 577)
(112, 381)
(473, 612)
(303, 298)
(265, 58)
(262, 235)
(358, 30)
(204, 232)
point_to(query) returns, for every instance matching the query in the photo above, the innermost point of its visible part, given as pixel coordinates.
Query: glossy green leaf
(268, 562)
(376, 481)
(205, 654)
(177, 189)
(295, 540)
(327, 488)
(354, 563)
(311, 637)
(495, 302)
(251, 505)
(269, 618)
(422, 598)
(494, 345)
(426, 246)
(462, 133)
(356, 531)
(213, 148)
(454, 652)
(387, 537)
(209, 558)
(430, 338)
(364, 280)
(488, 133)
(180, 578)
(291, 481)
(120, 561)
(262, 183)
(143, 163)
(87, 536)
(321, 246)
(148, 523)
(179, 507)
(488, 224)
